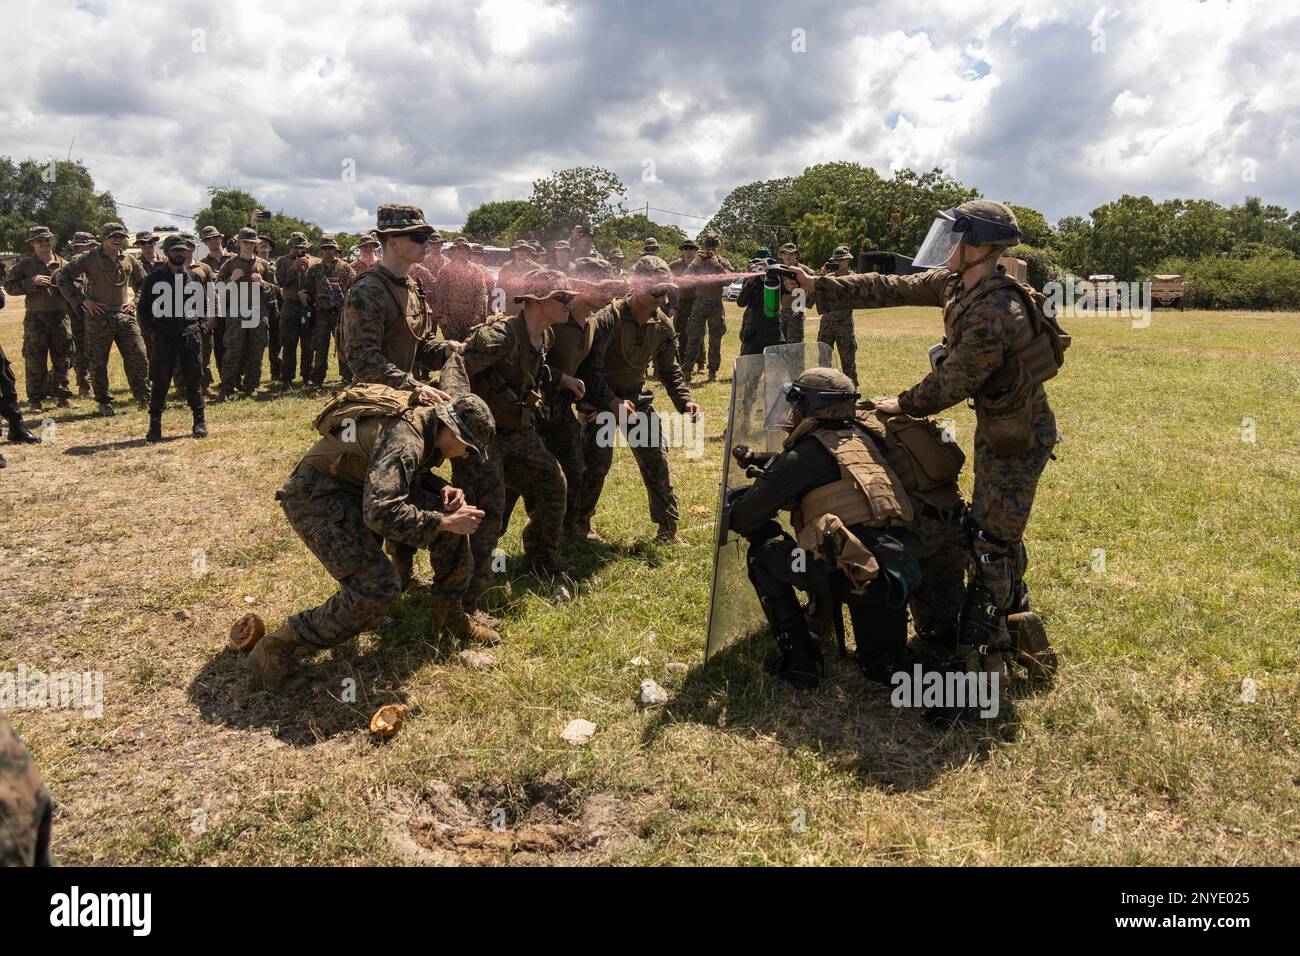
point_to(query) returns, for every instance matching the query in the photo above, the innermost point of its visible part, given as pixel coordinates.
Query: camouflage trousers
(294, 332)
(1000, 504)
(561, 433)
(936, 602)
(706, 316)
(25, 806)
(651, 458)
(244, 345)
(791, 326)
(120, 329)
(323, 329)
(517, 461)
(681, 325)
(47, 335)
(326, 514)
(345, 370)
(836, 330)
(79, 362)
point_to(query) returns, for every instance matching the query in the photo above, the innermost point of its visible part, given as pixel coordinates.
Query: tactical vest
(867, 493)
(915, 448)
(1004, 404)
(572, 343)
(364, 409)
(512, 387)
(630, 347)
(405, 324)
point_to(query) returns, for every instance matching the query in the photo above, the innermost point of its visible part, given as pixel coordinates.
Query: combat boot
(798, 660)
(106, 409)
(275, 659)
(200, 429)
(449, 615)
(667, 534)
(1034, 652)
(19, 435)
(983, 627)
(83, 391)
(155, 429)
(63, 402)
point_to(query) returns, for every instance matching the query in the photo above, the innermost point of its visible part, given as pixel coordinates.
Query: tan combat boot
(274, 658)
(449, 615)
(1034, 652)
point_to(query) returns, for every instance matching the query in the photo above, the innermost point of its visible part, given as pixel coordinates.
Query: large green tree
(58, 195)
(582, 195)
(490, 222)
(230, 209)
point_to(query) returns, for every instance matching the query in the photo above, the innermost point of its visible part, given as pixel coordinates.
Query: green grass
(1146, 723)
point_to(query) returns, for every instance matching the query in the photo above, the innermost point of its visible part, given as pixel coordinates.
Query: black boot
(155, 429)
(984, 627)
(200, 425)
(19, 435)
(798, 660)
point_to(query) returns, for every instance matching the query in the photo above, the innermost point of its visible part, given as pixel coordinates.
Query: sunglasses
(420, 238)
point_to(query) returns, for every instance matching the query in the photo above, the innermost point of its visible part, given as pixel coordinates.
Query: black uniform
(171, 313)
(757, 331)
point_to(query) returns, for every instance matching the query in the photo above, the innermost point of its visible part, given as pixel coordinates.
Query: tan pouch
(1006, 418)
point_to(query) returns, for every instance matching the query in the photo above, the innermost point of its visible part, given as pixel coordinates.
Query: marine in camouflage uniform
(246, 334)
(985, 325)
(109, 275)
(363, 263)
(81, 242)
(630, 334)
(47, 330)
(26, 810)
(687, 252)
(511, 277)
(350, 494)
(706, 312)
(266, 250)
(295, 330)
(792, 319)
(214, 340)
(616, 259)
(460, 298)
(836, 325)
(326, 283)
(504, 363)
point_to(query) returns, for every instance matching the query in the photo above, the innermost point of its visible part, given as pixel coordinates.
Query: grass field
(1149, 748)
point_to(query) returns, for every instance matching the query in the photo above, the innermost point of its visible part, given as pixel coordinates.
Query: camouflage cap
(686, 244)
(176, 241)
(521, 244)
(651, 274)
(591, 267)
(561, 244)
(476, 247)
(367, 240)
(210, 232)
(395, 218)
(542, 284)
(144, 238)
(841, 253)
(296, 239)
(327, 241)
(789, 247)
(762, 252)
(113, 229)
(710, 238)
(650, 244)
(190, 239)
(82, 239)
(616, 255)
(471, 419)
(247, 234)
(40, 232)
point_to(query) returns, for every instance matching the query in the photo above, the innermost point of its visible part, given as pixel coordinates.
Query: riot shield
(734, 611)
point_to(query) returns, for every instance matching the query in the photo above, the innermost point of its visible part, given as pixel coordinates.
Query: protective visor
(940, 242)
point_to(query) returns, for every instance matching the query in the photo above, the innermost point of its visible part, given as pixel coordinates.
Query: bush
(1042, 264)
(1222, 283)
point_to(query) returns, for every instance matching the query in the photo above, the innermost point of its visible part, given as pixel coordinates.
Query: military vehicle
(1168, 290)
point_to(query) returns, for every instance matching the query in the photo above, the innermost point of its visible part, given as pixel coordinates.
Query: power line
(161, 212)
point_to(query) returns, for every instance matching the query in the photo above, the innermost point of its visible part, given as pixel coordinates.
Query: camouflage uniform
(25, 806)
(707, 310)
(246, 336)
(792, 320)
(460, 299)
(78, 319)
(387, 331)
(344, 499)
(291, 277)
(621, 350)
(836, 328)
(359, 268)
(106, 281)
(979, 325)
(47, 330)
(326, 283)
(214, 340)
(685, 298)
(503, 366)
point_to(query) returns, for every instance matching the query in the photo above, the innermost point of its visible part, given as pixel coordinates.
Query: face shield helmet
(952, 227)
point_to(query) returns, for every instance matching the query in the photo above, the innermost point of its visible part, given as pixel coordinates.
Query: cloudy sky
(325, 110)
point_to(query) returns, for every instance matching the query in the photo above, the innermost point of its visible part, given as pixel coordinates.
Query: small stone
(561, 594)
(676, 667)
(249, 599)
(578, 731)
(477, 659)
(639, 661)
(701, 511)
(184, 615)
(652, 694)
(650, 636)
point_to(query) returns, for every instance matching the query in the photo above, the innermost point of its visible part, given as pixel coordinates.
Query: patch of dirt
(544, 822)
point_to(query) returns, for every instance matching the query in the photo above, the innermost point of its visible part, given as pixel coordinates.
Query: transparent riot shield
(754, 420)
